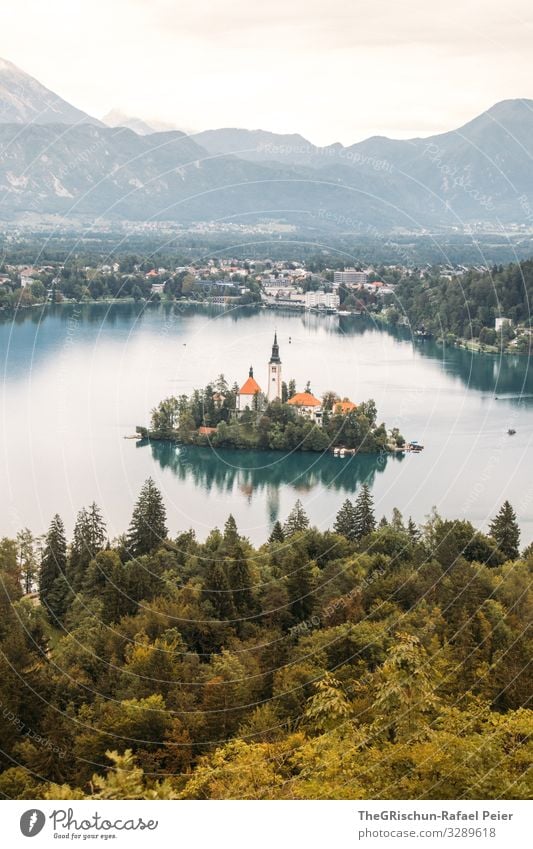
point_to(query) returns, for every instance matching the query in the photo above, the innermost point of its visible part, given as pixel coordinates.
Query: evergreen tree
(299, 571)
(297, 520)
(89, 538)
(505, 531)
(52, 585)
(277, 535)
(412, 530)
(27, 559)
(365, 520)
(240, 582)
(232, 541)
(148, 523)
(345, 522)
(397, 520)
(237, 568)
(219, 591)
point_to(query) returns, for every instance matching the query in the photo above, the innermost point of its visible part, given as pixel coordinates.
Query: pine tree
(412, 530)
(52, 585)
(27, 559)
(345, 522)
(300, 578)
(297, 520)
(397, 520)
(232, 540)
(237, 568)
(505, 531)
(277, 535)
(148, 523)
(219, 591)
(89, 538)
(240, 582)
(365, 520)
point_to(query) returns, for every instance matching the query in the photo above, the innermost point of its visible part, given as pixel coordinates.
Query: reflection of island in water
(231, 470)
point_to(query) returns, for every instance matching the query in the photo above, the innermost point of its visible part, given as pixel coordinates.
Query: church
(251, 396)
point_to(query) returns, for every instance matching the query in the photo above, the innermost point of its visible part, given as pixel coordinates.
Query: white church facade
(251, 396)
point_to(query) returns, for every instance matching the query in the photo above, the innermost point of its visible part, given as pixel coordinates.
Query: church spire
(251, 372)
(275, 350)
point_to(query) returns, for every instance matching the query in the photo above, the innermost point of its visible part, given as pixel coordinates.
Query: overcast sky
(333, 70)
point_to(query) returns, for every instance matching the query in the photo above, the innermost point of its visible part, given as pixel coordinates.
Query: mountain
(66, 163)
(117, 118)
(261, 146)
(23, 100)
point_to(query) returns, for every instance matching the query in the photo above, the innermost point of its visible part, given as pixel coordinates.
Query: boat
(511, 431)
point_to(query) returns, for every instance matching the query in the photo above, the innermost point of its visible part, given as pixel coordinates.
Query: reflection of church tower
(274, 373)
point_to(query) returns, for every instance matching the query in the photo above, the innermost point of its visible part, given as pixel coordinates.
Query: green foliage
(505, 531)
(346, 521)
(297, 520)
(53, 588)
(364, 518)
(148, 528)
(386, 663)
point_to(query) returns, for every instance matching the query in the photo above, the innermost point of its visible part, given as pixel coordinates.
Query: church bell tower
(274, 373)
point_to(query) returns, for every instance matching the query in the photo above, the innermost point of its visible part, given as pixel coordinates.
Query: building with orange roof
(345, 406)
(248, 393)
(206, 431)
(307, 405)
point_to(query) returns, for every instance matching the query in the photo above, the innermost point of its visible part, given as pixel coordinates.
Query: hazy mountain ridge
(71, 164)
(24, 100)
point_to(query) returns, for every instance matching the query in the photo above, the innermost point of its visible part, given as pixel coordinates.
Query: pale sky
(333, 70)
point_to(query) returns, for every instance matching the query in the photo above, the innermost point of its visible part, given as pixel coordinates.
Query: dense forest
(207, 417)
(373, 660)
(467, 306)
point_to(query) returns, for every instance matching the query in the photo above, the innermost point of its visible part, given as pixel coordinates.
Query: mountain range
(56, 159)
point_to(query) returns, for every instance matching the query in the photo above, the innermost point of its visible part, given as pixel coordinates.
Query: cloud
(335, 70)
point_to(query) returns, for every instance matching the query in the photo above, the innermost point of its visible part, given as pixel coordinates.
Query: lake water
(77, 380)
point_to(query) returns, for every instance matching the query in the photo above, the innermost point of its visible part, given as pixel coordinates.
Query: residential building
(308, 406)
(499, 322)
(350, 277)
(322, 300)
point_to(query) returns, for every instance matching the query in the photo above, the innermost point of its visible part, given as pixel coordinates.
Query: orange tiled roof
(345, 407)
(250, 387)
(206, 431)
(304, 399)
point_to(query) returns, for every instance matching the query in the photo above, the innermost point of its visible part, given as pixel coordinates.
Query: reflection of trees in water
(502, 375)
(256, 470)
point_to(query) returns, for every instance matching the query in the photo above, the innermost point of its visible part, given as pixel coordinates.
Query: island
(280, 418)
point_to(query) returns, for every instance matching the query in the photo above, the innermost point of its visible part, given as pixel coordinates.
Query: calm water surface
(77, 380)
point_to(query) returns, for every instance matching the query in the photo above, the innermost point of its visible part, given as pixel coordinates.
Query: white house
(499, 322)
(308, 406)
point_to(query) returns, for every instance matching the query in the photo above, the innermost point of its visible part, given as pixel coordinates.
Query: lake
(78, 379)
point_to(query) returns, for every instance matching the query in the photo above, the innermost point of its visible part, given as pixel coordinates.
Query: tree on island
(52, 582)
(346, 521)
(365, 520)
(505, 531)
(148, 523)
(297, 520)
